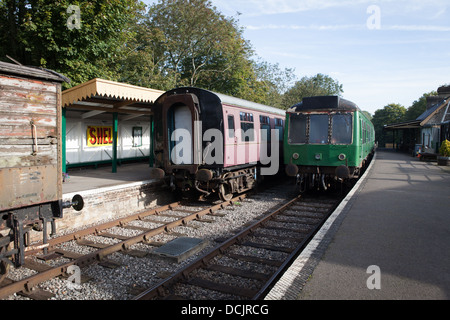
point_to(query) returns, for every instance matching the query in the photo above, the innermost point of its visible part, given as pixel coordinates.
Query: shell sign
(99, 136)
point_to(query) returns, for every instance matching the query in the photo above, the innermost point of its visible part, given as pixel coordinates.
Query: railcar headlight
(342, 157)
(295, 156)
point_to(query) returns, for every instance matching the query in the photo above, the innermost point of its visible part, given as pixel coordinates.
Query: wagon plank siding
(29, 114)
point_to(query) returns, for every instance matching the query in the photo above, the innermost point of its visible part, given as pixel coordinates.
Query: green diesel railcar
(327, 139)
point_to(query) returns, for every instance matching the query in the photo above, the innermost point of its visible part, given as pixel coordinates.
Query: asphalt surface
(394, 242)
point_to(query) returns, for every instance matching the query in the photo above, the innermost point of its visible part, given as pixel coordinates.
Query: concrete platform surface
(81, 179)
(392, 240)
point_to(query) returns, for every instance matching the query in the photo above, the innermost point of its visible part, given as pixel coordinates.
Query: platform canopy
(414, 124)
(99, 95)
(436, 114)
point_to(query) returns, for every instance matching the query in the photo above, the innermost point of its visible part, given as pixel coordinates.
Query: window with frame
(264, 120)
(247, 126)
(137, 136)
(230, 126)
(280, 128)
(318, 129)
(297, 128)
(341, 128)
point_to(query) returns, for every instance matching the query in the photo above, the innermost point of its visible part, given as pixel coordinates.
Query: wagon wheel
(224, 192)
(4, 266)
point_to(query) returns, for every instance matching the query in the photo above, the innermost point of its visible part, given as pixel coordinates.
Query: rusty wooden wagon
(30, 158)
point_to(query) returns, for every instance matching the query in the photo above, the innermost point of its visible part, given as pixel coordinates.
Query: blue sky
(381, 51)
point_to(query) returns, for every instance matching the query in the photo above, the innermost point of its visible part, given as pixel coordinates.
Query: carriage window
(297, 128)
(341, 132)
(248, 132)
(230, 126)
(279, 127)
(264, 120)
(318, 129)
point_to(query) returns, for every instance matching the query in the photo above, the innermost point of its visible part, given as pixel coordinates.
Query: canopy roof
(425, 117)
(109, 96)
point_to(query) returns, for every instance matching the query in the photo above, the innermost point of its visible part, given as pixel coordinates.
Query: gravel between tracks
(133, 274)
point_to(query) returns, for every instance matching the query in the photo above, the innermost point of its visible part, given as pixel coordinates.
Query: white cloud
(418, 28)
(254, 8)
(301, 27)
(433, 28)
(270, 7)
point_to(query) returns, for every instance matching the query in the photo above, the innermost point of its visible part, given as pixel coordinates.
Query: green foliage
(39, 35)
(175, 43)
(195, 45)
(189, 43)
(392, 113)
(444, 150)
(418, 107)
(318, 85)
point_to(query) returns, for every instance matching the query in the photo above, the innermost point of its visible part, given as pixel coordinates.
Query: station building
(427, 132)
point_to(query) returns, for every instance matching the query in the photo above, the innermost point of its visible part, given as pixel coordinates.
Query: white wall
(77, 150)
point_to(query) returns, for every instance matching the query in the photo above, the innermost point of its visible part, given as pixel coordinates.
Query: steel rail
(29, 283)
(51, 243)
(158, 289)
(290, 259)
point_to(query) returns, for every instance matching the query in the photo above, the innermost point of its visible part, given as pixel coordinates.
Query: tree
(318, 85)
(41, 33)
(392, 113)
(274, 82)
(196, 45)
(418, 107)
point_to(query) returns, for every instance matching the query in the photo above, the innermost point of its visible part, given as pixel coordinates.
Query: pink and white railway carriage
(207, 143)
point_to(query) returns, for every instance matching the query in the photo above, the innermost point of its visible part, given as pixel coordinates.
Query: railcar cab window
(318, 129)
(315, 128)
(297, 128)
(247, 126)
(341, 128)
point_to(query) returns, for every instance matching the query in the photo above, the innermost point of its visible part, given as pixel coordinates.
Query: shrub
(445, 148)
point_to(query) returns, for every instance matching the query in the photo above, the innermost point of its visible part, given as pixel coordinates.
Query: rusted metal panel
(27, 186)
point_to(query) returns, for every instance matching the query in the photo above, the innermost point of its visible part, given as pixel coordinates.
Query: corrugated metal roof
(109, 89)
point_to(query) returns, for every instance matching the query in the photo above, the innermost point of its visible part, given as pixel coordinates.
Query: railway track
(123, 244)
(246, 263)
(297, 221)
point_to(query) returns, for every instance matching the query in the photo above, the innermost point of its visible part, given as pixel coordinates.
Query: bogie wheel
(224, 192)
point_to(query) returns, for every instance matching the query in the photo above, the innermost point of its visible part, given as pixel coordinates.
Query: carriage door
(230, 142)
(266, 136)
(180, 135)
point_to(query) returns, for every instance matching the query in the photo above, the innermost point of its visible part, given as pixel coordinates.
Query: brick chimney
(432, 100)
(443, 92)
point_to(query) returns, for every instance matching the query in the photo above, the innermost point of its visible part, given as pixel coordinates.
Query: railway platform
(110, 195)
(387, 241)
(81, 179)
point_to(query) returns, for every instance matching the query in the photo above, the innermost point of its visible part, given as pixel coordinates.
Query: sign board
(99, 136)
